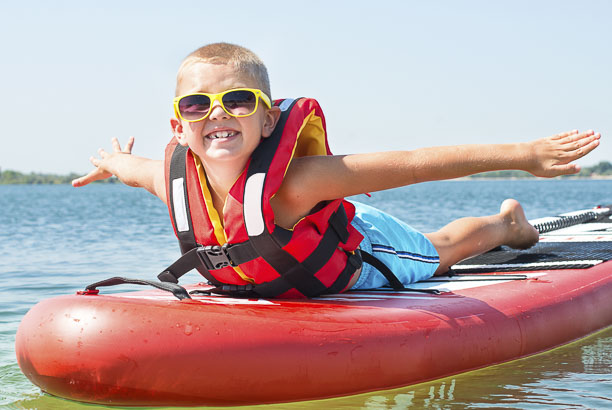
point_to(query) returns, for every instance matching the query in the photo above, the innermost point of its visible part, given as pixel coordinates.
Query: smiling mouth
(221, 134)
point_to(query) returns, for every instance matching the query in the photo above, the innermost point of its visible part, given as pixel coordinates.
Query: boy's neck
(221, 177)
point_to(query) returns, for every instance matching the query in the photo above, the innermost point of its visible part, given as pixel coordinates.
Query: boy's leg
(467, 237)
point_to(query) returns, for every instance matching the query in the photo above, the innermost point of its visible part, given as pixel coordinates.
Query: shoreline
(468, 178)
(569, 177)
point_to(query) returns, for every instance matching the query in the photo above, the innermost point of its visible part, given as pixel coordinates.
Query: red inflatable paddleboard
(149, 348)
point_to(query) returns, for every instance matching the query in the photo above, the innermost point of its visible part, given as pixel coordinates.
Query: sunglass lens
(194, 107)
(240, 102)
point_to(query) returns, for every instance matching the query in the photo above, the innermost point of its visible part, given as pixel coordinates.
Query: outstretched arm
(131, 170)
(314, 179)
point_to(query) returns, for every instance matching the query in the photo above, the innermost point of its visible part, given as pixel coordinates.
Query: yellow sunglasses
(239, 102)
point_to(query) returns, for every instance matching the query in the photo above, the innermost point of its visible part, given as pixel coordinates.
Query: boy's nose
(217, 112)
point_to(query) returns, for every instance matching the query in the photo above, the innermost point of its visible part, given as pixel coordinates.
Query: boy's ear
(177, 131)
(270, 120)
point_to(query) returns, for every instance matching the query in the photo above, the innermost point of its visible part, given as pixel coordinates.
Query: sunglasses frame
(219, 97)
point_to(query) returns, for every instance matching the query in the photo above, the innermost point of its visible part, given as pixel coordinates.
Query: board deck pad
(576, 247)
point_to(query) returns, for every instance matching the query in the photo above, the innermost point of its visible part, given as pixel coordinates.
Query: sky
(390, 75)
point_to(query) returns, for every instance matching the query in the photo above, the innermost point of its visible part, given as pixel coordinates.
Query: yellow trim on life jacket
(213, 215)
(310, 141)
(311, 137)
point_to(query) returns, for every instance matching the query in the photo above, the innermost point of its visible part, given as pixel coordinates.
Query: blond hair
(243, 59)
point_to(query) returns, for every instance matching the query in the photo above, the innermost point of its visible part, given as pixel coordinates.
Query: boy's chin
(223, 155)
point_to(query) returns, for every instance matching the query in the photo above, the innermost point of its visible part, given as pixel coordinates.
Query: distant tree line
(14, 177)
(604, 168)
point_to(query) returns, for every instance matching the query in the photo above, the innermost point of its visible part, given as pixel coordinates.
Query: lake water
(55, 240)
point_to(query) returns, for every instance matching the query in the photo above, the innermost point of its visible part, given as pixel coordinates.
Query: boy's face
(221, 137)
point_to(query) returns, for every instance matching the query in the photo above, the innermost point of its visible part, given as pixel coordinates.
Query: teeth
(221, 134)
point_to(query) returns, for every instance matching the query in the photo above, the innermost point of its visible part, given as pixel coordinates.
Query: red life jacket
(249, 252)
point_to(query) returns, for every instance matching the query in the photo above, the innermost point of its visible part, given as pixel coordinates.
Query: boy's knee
(439, 239)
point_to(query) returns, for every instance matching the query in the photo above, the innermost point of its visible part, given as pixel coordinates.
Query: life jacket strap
(294, 274)
(247, 291)
(394, 282)
(339, 222)
(211, 258)
(278, 286)
(179, 201)
(188, 261)
(301, 276)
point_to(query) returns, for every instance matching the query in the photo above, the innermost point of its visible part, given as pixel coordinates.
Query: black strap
(267, 148)
(178, 169)
(246, 291)
(293, 273)
(240, 253)
(207, 258)
(394, 282)
(178, 291)
(188, 261)
(352, 264)
(231, 254)
(339, 222)
(301, 276)
(281, 285)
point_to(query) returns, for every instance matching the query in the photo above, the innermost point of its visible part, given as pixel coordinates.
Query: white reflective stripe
(284, 106)
(253, 214)
(180, 209)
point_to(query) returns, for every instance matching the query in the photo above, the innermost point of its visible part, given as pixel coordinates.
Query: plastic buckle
(355, 260)
(215, 257)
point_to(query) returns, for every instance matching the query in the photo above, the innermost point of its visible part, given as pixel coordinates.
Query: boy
(223, 114)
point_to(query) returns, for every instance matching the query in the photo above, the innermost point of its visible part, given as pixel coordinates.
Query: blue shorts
(406, 251)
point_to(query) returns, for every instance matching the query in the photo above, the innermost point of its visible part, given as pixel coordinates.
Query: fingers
(564, 134)
(585, 149)
(566, 169)
(94, 175)
(99, 172)
(582, 144)
(129, 145)
(579, 137)
(575, 150)
(574, 146)
(117, 146)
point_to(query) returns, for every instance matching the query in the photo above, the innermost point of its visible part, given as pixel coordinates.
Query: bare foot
(521, 233)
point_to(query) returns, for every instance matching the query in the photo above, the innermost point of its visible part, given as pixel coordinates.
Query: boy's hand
(553, 156)
(103, 165)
